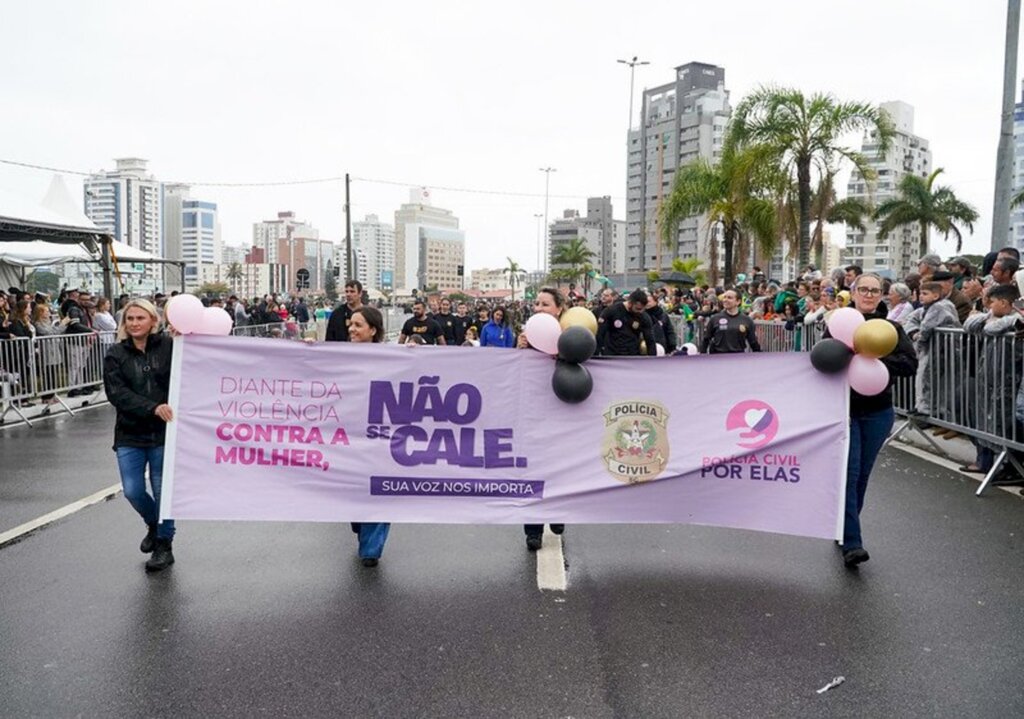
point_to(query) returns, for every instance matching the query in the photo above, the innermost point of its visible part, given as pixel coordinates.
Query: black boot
(162, 557)
(149, 541)
(534, 542)
(557, 528)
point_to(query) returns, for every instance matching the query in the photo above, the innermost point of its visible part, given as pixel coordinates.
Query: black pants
(535, 530)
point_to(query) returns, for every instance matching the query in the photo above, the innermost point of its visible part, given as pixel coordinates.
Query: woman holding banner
(367, 325)
(549, 301)
(137, 378)
(871, 417)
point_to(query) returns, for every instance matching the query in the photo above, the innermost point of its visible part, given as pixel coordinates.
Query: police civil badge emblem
(635, 447)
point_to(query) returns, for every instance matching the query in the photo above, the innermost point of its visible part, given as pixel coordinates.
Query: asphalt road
(276, 620)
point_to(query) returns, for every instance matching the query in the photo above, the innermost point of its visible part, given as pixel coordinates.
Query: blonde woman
(137, 378)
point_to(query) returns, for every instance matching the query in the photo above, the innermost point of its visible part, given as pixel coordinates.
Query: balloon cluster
(186, 314)
(858, 345)
(573, 340)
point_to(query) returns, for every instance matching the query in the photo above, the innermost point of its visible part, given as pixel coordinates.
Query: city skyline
(420, 114)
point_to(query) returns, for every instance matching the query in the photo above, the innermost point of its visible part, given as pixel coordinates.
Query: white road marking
(12, 535)
(551, 563)
(952, 466)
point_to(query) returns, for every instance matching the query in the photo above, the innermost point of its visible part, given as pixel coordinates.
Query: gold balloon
(579, 317)
(875, 338)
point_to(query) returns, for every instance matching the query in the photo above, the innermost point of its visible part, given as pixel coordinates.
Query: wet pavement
(259, 619)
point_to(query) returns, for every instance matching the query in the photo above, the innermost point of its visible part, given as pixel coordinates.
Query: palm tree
(515, 275)
(1017, 200)
(234, 274)
(574, 253)
(693, 267)
(826, 208)
(730, 194)
(800, 134)
(919, 200)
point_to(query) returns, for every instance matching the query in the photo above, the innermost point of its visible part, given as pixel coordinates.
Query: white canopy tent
(55, 231)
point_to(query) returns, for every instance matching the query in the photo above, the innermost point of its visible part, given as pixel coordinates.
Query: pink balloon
(660, 350)
(185, 313)
(542, 331)
(215, 321)
(843, 323)
(868, 376)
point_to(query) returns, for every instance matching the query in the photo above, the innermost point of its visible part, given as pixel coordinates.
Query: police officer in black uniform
(446, 320)
(462, 323)
(623, 325)
(730, 331)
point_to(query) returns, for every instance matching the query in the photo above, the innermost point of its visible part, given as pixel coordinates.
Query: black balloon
(576, 344)
(831, 356)
(572, 382)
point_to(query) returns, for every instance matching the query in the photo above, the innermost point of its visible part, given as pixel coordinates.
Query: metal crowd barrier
(969, 384)
(42, 368)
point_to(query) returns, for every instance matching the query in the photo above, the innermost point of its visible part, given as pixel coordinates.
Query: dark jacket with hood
(137, 383)
(901, 362)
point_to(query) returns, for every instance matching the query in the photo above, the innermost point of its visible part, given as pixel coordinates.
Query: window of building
(188, 219)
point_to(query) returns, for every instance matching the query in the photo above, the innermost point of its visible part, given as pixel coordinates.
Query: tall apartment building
(295, 244)
(907, 154)
(128, 203)
(430, 249)
(191, 235)
(569, 227)
(376, 240)
(1016, 238)
(680, 122)
(200, 239)
(174, 197)
(604, 235)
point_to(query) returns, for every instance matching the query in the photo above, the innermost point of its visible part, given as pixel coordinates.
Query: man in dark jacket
(337, 325)
(623, 325)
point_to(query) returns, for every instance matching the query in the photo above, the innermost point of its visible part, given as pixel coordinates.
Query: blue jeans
(132, 461)
(868, 433)
(372, 536)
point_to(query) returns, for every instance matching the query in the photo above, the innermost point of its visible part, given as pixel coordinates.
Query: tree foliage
(919, 201)
(800, 136)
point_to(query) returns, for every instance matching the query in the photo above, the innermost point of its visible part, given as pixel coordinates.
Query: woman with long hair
(549, 301)
(871, 417)
(137, 378)
(497, 333)
(367, 325)
(50, 351)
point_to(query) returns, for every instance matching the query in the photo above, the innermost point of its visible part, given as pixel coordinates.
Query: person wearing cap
(949, 291)
(962, 270)
(927, 266)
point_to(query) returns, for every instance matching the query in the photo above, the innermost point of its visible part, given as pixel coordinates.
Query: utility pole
(1004, 155)
(547, 185)
(349, 260)
(632, 71)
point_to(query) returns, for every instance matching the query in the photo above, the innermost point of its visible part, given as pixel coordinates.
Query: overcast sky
(469, 95)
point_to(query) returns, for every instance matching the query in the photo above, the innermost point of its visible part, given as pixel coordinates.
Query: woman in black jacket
(137, 377)
(871, 417)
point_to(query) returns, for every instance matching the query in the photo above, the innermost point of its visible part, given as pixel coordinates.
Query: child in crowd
(934, 313)
(992, 379)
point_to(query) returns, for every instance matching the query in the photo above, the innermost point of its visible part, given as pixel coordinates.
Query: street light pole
(1004, 153)
(632, 71)
(547, 185)
(538, 216)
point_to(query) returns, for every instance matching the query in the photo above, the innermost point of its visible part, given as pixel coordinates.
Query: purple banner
(344, 432)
